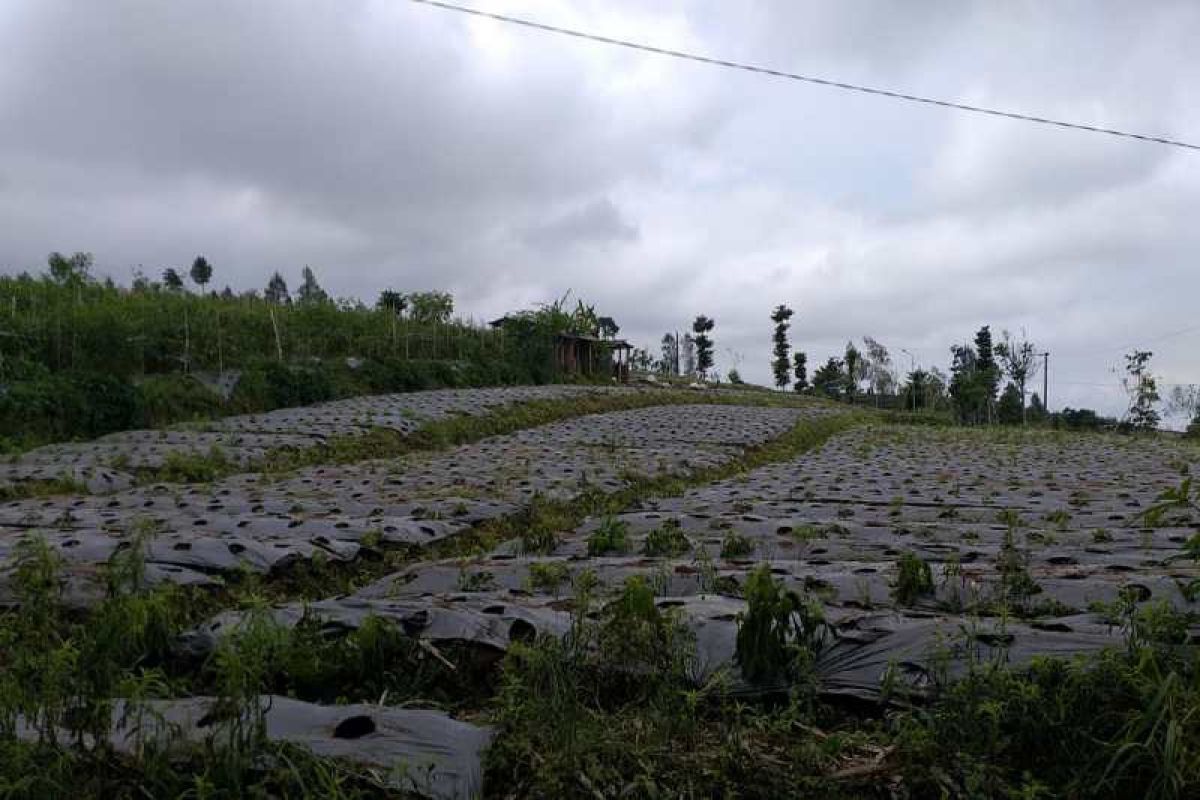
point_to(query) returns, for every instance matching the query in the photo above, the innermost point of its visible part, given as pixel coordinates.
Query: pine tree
(310, 292)
(782, 364)
(800, 360)
(987, 371)
(704, 345)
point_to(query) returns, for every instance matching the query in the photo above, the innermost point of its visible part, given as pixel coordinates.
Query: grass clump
(610, 537)
(736, 545)
(549, 576)
(914, 580)
(666, 540)
(779, 633)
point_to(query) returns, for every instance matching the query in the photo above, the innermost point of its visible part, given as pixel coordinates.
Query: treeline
(971, 393)
(82, 356)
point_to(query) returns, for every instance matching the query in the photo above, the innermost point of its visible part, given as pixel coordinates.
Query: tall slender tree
(853, 367)
(1142, 388)
(702, 326)
(800, 366)
(781, 365)
(987, 370)
(670, 354)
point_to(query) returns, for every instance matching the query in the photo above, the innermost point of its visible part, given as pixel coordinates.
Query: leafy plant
(914, 579)
(609, 537)
(779, 633)
(666, 540)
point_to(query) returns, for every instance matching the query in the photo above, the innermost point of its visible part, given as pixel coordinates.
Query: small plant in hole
(666, 540)
(914, 579)
(610, 537)
(548, 576)
(736, 545)
(780, 633)
(479, 581)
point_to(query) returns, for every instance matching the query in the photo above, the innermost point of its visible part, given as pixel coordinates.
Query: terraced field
(911, 556)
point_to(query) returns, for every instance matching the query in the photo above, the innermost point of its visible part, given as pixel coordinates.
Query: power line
(1139, 345)
(775, 73)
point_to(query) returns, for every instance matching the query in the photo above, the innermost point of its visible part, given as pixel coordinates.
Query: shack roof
(616, 344)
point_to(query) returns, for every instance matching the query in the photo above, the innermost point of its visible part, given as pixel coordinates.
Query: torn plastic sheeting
(422, 751)
(857, 661)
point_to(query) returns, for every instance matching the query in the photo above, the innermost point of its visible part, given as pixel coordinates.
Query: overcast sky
(389, 144)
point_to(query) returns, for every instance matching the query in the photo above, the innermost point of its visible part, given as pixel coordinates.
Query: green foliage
(549, 576)
(779, 633)
(800, 368)
(914, 580)
(201, 271)
(1142, 388)
(702, 326)
(781, 364)
(736, 545)
(1123, 724)
(1009, 411)
(195, 467)
(610, 537)
(829, 379)
(666, 540)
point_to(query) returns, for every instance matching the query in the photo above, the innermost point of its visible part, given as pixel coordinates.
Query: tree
(393, 301)
(781, 366)
(1037, 409)
(915, 392)
(829, 378)
(431, 308)
(1010, 409)
(735, 377)
(73, 270)
(704, 344)
(172, 279)
(310, 292)
(987, 370)
(641, 360)
(1019, 362)
(688, 355)
(853, 366)
(1185, 401)
(277, 291)
(1142, 388)
(608, 327)
(877, 367)
(670, 354)
(966, 389)
(201, 272)
(800, 366)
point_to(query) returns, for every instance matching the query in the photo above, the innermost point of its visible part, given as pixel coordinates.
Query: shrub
(914, 579)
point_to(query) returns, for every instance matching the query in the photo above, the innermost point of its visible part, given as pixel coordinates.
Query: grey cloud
(598, 222)
(392, 145)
